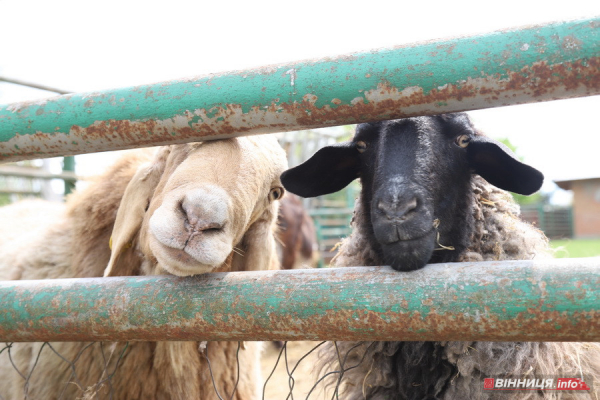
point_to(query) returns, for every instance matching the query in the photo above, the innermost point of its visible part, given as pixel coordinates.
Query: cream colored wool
(72, 240)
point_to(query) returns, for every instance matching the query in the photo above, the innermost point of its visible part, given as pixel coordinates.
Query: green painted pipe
(548, 62)
(553, 300)
(69, 165)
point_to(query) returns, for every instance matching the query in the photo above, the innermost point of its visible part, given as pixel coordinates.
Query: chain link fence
(288, 370)
(75, 385)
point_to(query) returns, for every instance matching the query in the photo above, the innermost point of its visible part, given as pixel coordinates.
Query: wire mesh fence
(289, 370)
(22, 384)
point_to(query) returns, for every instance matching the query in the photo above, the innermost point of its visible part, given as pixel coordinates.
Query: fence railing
(555, 221)
(556, 300)
(540, 63)
(18, 181)
(35, 173)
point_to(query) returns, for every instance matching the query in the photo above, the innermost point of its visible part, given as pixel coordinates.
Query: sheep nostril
(198, 219)
(204, 211)
(209, 228)
(410, 206)
(398, 210)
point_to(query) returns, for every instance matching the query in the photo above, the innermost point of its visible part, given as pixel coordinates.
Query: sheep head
(416, 183)
(195, 206)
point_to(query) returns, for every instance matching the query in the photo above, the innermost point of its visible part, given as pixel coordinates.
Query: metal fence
(555, 221)
(368, 303)
(18, 181)
(511, 67)
(555, 61)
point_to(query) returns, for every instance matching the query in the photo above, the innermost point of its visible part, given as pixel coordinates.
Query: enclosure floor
(304, 376)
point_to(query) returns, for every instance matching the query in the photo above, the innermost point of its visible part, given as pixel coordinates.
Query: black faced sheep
(189, 209)
(429, 195)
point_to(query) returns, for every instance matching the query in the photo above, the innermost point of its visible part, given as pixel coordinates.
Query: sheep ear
(330, 169)
(139, 191)
(497, 164)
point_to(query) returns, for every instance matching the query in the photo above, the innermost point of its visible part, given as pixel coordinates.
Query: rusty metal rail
(554, 300)
(540, 63)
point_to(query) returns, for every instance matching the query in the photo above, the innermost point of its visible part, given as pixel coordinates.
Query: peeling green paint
(554, 300)
(409, 76)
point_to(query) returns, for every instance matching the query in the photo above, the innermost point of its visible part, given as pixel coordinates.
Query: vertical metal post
(69, 165)
(571, 222)
(541, 216)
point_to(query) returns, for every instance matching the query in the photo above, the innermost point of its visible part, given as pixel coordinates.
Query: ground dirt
(305, 377)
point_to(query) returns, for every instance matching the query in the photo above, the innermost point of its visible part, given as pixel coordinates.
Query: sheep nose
(397, 208)
(204, 211)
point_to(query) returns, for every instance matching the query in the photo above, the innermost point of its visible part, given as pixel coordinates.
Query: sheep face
(195, 204)
(415, 176)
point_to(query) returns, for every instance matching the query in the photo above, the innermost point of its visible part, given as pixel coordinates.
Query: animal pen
(555, 300)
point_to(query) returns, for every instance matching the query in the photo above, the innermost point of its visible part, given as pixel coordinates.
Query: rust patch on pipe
(552, 303)
(539, 81)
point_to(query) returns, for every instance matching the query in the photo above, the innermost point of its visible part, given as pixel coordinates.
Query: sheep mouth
(411, 254)
(197, 256)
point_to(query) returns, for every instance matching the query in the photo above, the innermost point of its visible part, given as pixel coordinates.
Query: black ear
(498, 165)
(330, 169)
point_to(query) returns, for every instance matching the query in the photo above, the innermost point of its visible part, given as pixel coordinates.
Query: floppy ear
(330, 169)
(139, 191)
(496, 163)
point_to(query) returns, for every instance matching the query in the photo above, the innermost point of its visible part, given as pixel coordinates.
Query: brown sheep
(296, 235)
(189, 209)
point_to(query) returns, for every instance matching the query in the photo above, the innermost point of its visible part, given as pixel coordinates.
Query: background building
(586, 205)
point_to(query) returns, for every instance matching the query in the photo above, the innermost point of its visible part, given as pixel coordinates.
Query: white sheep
(189, 209)
(424, 200)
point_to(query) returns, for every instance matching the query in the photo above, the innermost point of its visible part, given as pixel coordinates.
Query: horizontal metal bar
(21, 192)
(555, 300)
(330, 211)
(34, 173)
(540, 63)
(32, 85)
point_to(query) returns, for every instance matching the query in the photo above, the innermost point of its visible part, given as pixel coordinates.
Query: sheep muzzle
(402, 221)
(189, 231)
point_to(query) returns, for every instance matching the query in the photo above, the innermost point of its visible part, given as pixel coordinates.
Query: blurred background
(86, 46)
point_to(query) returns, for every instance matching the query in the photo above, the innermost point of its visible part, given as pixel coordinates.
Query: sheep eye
(276, 193)
(463, 141)
(361, 146)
